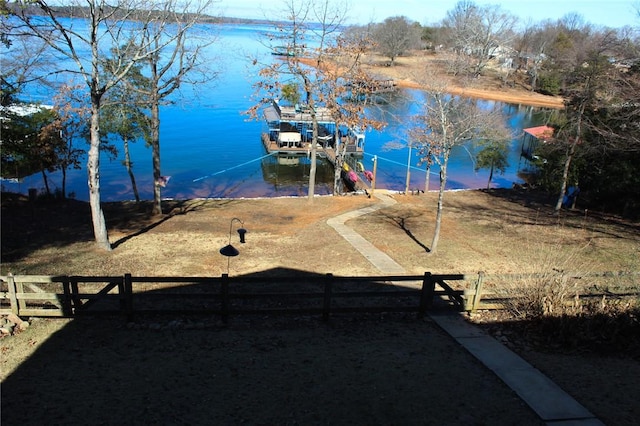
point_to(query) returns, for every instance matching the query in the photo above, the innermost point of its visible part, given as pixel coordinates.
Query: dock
(290, 131)
(289, 155)
(289, 134)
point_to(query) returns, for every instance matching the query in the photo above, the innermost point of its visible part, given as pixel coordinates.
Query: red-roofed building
(532, 137)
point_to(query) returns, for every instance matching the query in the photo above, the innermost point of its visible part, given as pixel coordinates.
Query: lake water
(211, 150)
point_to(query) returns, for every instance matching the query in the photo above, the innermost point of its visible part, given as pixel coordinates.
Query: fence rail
(68, 296)
(496, 291)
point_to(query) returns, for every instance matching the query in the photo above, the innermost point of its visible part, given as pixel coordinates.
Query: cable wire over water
(398, 163)
(234, 167)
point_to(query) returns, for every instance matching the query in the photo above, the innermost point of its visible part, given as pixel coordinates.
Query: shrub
(549, 84)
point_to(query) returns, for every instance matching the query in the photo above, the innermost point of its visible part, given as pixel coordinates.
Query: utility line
(234, 167)
(398, 163)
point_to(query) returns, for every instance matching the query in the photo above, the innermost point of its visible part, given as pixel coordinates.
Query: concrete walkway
(380, 260)
(553, 405)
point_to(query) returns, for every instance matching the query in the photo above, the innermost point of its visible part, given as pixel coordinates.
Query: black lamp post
(230, 251)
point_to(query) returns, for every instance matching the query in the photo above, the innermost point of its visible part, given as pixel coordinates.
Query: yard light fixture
(242, 232)
(229, 250)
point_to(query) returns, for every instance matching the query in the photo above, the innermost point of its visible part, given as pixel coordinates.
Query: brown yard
(355, 370)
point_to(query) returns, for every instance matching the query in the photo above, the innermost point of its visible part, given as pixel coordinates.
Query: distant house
(21, 110)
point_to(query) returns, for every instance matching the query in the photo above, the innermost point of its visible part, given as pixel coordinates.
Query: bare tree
(323, 65)
(26, 59)
(478, 32)
(107, 26)
(172, 66)
(395, 36)
(447, 122)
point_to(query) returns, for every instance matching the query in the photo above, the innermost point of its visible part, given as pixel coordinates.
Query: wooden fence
(496, 291)
(309, 294)
(68, 296)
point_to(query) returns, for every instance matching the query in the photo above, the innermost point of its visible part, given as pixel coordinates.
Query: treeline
(73, 11)
(596, 141)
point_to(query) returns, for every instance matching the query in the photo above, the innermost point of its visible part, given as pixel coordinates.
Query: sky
(609, 13)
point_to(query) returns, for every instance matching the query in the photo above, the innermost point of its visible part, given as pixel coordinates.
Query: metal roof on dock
(298, 114)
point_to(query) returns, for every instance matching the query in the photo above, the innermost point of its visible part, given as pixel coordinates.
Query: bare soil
(408, 71)
(376, 369)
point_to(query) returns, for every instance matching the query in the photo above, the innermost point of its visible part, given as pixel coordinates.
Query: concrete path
(380, 260)
(553, 405)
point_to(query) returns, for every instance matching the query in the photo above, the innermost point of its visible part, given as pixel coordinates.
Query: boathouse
(290, 132)
(532, 137)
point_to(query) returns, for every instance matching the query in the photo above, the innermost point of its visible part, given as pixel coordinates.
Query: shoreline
(510, 96)
(525, 98)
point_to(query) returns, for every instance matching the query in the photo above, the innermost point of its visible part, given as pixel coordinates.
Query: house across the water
(290, 132)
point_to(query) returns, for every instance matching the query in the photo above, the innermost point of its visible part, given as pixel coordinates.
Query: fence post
(127, 294)
(13, 299)
(326, 305)
(19, 288)
(477, 296)
(224, 301)
(426, 294)
(67, 307)
(75, 291)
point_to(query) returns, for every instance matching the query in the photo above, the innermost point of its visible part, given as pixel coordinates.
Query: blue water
(211, 149)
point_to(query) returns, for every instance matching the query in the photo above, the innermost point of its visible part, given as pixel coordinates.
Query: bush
(549, 84)
(550, 312)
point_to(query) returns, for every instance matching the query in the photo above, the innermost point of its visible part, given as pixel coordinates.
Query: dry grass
(499, 231)
(496, 232)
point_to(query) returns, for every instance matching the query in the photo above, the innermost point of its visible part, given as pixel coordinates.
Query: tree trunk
(155, 149)
(64, 182)
(129, 167)
(534, 79)
(336, 174)
(46, 181)
(340, 152)
(443, 182)
(565, 175)
(490, 177)
(312, 169)
(570, 153)
(427, 178)
(314, 141)
(93, 169)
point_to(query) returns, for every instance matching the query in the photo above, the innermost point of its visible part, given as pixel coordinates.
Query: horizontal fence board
(35, 279)
(31, 312)
(39, 296)
(239, 295)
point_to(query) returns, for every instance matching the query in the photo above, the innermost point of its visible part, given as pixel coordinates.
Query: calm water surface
(211, 149)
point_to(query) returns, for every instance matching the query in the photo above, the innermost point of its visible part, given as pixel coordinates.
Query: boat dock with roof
(289, 135)
(290, 132)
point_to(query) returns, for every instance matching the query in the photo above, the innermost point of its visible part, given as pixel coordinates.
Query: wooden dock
(305, 150)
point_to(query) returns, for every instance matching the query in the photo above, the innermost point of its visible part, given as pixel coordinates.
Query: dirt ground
(376, 369)
(408, 72)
